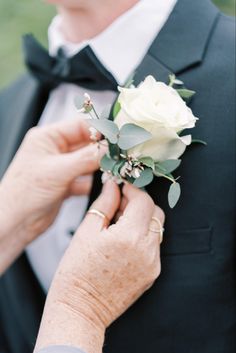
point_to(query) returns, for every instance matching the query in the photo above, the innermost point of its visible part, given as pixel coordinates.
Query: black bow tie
(83, 69)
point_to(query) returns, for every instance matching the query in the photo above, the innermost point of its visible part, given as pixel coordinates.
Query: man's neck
(82, 24)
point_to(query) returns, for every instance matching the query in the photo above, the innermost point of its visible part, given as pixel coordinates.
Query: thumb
(107, 203)
(83, 161)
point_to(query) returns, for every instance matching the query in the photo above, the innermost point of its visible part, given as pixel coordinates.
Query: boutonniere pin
(145, 132)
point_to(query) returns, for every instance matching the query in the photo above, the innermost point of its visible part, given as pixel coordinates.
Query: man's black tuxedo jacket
(192, 307)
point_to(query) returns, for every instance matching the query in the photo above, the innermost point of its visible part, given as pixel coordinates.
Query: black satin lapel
(20, 108)
(150, 66)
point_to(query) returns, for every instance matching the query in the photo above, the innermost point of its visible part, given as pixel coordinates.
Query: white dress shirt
(120, 48)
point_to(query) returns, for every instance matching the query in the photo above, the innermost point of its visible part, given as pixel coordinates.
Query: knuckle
(32, 133)
(146, 201)
(155, 272)
(141, 231)
(115, 238)
(133, 233)
(161, 214)
(158, 270)
(151, 262)
(126, 241)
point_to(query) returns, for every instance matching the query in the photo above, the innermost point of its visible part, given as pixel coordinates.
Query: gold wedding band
(101, 215)
(158, 231)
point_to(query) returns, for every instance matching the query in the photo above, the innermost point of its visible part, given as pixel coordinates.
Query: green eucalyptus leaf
(171, 176)
(159, 170)
(117, 167)
(148, 162)
(185, 93)
(174, 194)
(167, 166)
(116, 109)
(145, 178)
(79, 102)
(132, 135)
(131, 180)
(199, 141)
(107, 164)
(107, 127)
(114, 151)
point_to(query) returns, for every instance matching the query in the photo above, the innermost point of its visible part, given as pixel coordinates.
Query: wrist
(77, 293)
(9, 217)
(62, 325)
(12, 234)
(12, 219)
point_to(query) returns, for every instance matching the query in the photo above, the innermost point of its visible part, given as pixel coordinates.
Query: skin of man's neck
(85, 23)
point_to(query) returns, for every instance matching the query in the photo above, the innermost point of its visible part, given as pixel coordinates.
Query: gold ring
(158, 231)
(101, 215)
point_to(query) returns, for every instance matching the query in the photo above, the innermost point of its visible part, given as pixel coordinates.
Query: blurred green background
(23, 16)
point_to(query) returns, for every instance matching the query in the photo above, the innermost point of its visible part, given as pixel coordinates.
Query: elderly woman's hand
(103, 271)
(43, 173)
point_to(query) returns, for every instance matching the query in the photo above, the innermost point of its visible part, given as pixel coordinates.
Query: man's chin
(67, 3)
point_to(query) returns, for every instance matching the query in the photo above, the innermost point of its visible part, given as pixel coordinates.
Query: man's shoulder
(224, 31)
(229, 21)
(219, 58)
(16, 93)
(22, 83)
(226, 25)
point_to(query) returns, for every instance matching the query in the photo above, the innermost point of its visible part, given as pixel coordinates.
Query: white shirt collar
(121, 46)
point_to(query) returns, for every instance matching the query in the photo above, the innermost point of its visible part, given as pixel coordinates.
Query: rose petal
(166, 144)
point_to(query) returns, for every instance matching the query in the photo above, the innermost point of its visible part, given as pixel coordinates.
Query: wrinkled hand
(45, 171)
(104, 270)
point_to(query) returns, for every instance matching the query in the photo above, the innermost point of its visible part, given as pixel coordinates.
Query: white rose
(160, 110)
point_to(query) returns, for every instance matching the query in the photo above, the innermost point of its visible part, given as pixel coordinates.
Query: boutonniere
(144, 131)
